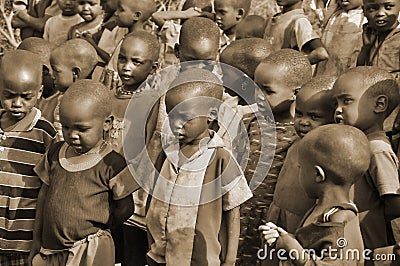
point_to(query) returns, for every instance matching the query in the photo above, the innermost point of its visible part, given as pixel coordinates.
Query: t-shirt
(381, 179)
(21, 147)
(80, 195)
(185, 217)
(56, 28)
(289, 30)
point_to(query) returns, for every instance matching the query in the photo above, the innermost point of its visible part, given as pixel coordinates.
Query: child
(314, 107)
(279, 76)
(42, 48)
(86, 185)
(365, 96)
(250, 27)
(381, 36)
(136, 61)
(334, 216)
(57, 27)
(92, 14)
(195, 217)
(292, 29)
(132, 15)
(73, 60)
(228, 15)
(25, 136)
(342, 38)
(169, 31)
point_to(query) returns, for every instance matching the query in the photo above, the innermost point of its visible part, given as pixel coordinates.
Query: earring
(293, 97)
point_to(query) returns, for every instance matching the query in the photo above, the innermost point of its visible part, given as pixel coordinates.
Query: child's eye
(121, 59)
(315, 117)
(298, 114)
(346, 101)
(388, 7)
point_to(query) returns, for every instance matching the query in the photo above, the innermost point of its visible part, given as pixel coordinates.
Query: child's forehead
(380, 2)
(349, 83)
(224, 3)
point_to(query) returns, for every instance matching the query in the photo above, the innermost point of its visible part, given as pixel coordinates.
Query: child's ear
(240, 14)
(76, 72)
(319, 174)
(381, 104)
(154, 67)
(137, 15)
(212, 114)
(176, 50)
(108, 122)
(40, 92)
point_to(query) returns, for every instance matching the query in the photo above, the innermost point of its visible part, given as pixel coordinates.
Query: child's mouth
(339, 120)
(381, 23)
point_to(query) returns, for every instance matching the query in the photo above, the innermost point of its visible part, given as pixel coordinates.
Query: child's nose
(17, 102)
(304, 122)
(338, 110)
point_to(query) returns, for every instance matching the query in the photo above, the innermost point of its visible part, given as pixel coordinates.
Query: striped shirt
(21, 147)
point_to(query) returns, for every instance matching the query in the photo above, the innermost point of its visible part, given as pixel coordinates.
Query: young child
(201, 221)
(73, 60)
(228, 15)
(292, 29)
(365, 96)
(250, 27)
(92, 14)
(279, 76)
(381, 36)
(132, 15)
(334, 216)
(136, 61)
(169, 31)
(342, 38)
(42, 48)
(314, 108)
(25, 136)
(57, 27)
(86, 187)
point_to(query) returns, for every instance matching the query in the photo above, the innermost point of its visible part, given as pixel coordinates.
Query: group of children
(250, 159)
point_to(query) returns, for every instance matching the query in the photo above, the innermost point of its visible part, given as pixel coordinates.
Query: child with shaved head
(365, 96)
(229, 13)
(279, 77)
(314, 107)
(334, 216)
(250, 27)
(42, 48)
(86, 187)
(25, 136)
(197, 196)
(73, 60)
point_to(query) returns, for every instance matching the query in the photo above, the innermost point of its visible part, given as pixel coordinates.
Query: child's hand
(369, 35)
(269, 232)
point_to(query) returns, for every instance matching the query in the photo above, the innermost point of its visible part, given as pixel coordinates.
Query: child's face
(382, 15)
(278, 94)
(349, 4)
(125, 15)
(18, 97)
(68, 7)
(226, 14)
(312, 111)
(62, 73)
(187, 118)
(354, 107)
(306, 175)
(82, 128)
(89, 9)
(134, 62)
(201, 50)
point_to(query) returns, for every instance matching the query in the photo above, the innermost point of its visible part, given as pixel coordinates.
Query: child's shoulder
(47, 127)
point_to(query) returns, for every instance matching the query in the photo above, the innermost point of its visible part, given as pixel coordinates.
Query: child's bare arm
(315, 51)
(233, 231)
(35, 23)
(37, 230)
(162, 16)
(392, 206)
(103, 54)
(122, 211)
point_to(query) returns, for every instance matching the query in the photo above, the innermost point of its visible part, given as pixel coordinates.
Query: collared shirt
(22, 145)
(188, 204)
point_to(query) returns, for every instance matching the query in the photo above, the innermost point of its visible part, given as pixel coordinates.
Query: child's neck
(188, 149)
(377, 127)
(68, 15)
(298, 5)
(231, 33)
(137, 26)
(333, 195)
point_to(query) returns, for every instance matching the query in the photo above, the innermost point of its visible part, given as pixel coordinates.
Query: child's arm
(233, 231)
(315, 51)
(35, 23)
(392, 206)
(103, 54)
(122, 211)
(369, 37)
(37, 230)
(162, 16)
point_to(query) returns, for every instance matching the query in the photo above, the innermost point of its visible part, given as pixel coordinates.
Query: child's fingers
(281, 231)
(271, 241)
(267, 226)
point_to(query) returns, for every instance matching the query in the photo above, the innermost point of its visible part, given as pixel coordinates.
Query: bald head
(22, 69)
(250, 27)
(37, 46)
(143, 7)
